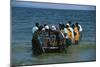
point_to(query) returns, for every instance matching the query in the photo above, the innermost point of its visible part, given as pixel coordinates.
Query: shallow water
(23, 20)
(75, 53)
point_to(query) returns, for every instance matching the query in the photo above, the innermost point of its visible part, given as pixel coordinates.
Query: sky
(51, 5)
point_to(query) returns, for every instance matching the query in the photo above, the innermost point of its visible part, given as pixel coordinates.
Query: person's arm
(72, 35)
(80, 28)
(72, 32)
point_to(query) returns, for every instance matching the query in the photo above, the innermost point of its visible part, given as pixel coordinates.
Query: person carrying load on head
(76, 33)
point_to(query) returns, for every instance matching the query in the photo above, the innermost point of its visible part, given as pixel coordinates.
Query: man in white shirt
(35, 28)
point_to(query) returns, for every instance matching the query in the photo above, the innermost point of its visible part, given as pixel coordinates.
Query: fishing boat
(50, 42)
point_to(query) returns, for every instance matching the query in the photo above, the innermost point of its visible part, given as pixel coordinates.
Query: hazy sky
(52, 5)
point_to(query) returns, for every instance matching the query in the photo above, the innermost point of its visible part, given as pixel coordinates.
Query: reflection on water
(75, 53)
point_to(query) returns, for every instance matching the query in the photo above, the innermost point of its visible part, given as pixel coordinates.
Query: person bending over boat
(45, 28)
(36, 45)
(53, 28)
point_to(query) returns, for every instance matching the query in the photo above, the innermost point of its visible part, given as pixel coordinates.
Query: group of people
(66, 34)
(71, 32)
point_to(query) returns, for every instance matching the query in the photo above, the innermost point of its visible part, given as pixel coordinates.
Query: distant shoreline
(49, 8)
(47, 5)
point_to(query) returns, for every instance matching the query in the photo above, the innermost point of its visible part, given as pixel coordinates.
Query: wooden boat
(49, 42)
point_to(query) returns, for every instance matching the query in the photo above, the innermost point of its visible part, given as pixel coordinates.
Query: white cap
(53, 27)
(46, 27)
(68, 24)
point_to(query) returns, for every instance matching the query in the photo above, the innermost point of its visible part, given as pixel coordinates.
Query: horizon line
(47, 5)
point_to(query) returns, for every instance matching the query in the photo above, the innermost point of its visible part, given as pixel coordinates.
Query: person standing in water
(68, 35)
(68, 25)
(76, 33)
(35, 28)
(36, 45)
(80, 30)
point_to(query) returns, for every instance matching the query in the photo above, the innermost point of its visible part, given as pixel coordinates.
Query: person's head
(67, 26)
(45, 25)
(76, 24)
(37, 24)
(73, 25)
(68, 23)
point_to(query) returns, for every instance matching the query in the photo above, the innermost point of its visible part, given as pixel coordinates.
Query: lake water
(23, 20)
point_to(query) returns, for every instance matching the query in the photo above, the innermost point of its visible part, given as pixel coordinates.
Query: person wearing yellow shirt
(77, 34)
(68, 36)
